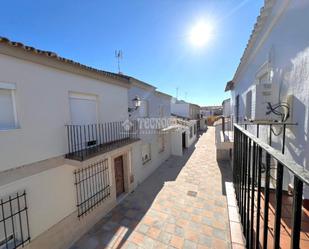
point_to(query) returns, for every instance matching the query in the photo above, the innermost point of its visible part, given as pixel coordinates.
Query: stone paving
(181, 205)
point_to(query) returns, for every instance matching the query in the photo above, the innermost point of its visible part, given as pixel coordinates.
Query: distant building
(207, 111)
(226, 105)
(184, 109)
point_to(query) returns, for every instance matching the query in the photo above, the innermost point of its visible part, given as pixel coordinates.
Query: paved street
(181, 205)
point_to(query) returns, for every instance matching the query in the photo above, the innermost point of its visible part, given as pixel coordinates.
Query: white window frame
(85, 96)
(264, 70)
(144, 160)
(12, 88)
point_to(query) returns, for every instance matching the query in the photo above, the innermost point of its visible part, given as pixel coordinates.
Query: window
(14, 226)
(191, 132)
(194, 129)
(146, 153)
(161, 143)
(83, 108)
(143, 109)
(249, 105)
(237, 109)
(97, 175)
(8, 116)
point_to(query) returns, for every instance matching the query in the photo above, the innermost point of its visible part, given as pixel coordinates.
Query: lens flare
(201, 33)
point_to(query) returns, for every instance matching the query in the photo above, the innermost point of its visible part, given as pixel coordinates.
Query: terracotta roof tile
(53, 55)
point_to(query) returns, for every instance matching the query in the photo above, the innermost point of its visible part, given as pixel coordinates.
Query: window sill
(9, 129)
(145, 162)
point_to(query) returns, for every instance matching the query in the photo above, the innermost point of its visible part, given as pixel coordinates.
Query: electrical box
(262, 94)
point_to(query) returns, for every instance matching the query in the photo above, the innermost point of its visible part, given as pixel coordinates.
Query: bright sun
(201, 33)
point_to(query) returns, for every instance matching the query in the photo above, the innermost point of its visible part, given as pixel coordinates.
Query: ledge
(86, 154)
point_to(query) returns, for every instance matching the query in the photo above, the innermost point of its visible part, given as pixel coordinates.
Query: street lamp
(136, 103)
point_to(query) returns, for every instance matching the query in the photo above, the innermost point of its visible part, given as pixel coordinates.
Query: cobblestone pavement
(181, 205)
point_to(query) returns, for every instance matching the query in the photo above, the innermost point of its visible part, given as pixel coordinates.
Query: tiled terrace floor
(181, 205)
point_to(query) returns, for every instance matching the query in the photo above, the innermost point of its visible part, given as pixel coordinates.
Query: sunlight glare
(201, 33)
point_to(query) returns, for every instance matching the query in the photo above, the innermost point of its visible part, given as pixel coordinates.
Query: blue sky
(153, 36)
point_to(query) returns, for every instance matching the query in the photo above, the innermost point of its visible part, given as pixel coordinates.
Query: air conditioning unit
(262, 94)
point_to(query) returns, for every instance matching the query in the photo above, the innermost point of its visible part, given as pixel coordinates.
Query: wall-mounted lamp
(136, 103)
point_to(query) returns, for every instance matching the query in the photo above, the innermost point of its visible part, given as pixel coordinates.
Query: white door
(83, 109)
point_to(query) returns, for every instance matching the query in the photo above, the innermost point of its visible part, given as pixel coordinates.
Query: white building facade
(184, 109)
(156, 143)
(40, 93)
(226, 108)
(274, 69)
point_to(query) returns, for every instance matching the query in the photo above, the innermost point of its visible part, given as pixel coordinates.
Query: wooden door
(119, 175)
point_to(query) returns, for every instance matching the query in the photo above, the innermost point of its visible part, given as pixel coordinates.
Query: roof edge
(141, 84)
(258, 27)
(163, 94)
(51, 59)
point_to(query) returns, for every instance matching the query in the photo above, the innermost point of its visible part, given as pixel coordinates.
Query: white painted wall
(155, 104)
(50, 197)
(181, 109)
(227, 108)
(287, 46)
(190, 141)
(42, 101)
(176, 142)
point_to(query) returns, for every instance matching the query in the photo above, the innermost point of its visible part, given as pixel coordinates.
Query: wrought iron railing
(92, 186)
(14, 223)
(253, 160)
(87, 140)
(270, 125)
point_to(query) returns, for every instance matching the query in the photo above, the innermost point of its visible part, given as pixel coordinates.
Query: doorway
(184, 140)
(119, 175)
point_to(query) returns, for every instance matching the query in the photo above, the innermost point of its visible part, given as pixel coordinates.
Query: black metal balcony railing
(253, 162)
(85, 141)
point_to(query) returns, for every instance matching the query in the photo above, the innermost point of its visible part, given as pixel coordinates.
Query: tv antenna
(118, 56)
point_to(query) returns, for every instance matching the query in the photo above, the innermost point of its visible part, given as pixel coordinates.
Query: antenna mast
(118, 55)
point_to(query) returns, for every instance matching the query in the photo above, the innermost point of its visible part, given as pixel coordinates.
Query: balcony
(271, 216)
(86, 141)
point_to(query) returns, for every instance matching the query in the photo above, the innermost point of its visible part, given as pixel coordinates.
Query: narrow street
(181, 205)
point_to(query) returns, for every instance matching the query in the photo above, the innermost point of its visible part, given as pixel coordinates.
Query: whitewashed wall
(181, 109)
(176, 142)
(287, 46)
(227, 108)
(50, 197)
(43, 109)
(190, 141)
(155, 102)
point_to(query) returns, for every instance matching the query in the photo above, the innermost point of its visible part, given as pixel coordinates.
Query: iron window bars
(14, 222)
(251, 157)
(92, 186)
(87, 140)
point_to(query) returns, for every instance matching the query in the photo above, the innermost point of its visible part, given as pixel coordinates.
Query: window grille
(14, 222)
(92, 186)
